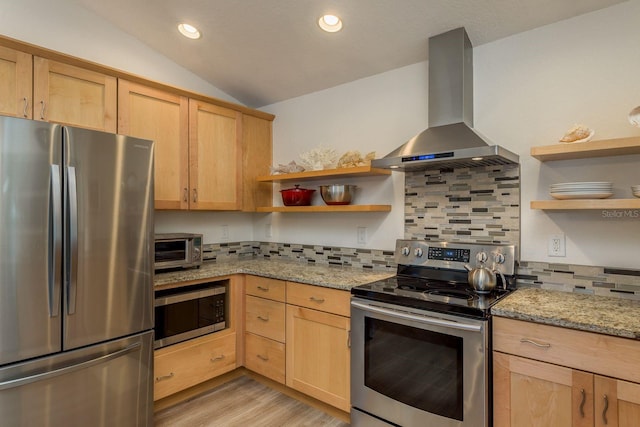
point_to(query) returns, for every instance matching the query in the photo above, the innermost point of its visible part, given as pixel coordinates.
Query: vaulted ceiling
(265, 51)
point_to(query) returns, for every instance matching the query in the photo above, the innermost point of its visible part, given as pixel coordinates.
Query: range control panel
(454, 256)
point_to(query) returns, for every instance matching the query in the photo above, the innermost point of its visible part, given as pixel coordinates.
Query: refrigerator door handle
(72, 257)
(55, 241)
(18, 382)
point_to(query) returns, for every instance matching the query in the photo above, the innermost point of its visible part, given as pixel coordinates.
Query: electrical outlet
(557, 245)
(362, 235)
(225, 232)
(268, 231)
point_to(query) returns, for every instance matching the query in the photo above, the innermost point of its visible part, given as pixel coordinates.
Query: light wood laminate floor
(244, 402)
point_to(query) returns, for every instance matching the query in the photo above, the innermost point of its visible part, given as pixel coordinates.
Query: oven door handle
(417, 318)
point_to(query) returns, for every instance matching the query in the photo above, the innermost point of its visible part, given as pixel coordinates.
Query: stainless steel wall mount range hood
(449, 141)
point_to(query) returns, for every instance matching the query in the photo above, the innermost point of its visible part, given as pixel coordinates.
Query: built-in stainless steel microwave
(189, 312)
(178, 250)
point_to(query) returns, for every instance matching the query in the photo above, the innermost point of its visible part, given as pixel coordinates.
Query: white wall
(529, 89)
(377, 114)
(67, 27)
(532, 87)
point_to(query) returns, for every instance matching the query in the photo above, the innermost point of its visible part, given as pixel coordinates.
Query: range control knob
(405, 251)
(417, 252)
(498, 258)
(481, 256)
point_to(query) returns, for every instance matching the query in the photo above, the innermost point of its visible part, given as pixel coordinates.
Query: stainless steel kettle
(483, 279)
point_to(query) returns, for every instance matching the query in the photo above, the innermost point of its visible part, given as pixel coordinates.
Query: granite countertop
(605, 315)
(329, 276)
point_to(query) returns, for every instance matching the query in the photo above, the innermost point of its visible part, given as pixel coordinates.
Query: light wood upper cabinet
(15, 83)
(215, 157)
(74, 96)
(149, 113)
(257, 153)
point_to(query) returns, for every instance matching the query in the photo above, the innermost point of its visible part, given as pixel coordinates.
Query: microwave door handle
(417, 318)
(72, 259)
(55, 240)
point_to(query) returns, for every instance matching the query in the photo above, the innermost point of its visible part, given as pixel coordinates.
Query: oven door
(413, 367)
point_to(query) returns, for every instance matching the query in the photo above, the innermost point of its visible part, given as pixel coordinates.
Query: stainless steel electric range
(421, 340)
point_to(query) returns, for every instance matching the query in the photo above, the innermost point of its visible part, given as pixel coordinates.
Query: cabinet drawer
(265, 356)
(265, 318)
(265, 288)
(325, 299)
(602, 354)
(193, 362)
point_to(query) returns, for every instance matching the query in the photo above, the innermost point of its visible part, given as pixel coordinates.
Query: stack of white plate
(635, 189)
(581, 190)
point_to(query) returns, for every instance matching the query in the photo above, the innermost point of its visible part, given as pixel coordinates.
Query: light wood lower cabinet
(265, 356)
(318, 344)
(183, 365)
(265, 327)
(531, 391)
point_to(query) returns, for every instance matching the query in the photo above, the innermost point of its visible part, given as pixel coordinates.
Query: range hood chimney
(449, 141)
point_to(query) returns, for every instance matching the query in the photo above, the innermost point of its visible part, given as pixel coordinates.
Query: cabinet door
(529, 393)
(214, 157)
(74, 96)
(15, 83)
(617, 402)
(318, 354)
(163, 117)
(257, 147)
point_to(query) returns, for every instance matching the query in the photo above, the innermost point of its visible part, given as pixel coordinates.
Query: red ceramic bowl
(297, 196)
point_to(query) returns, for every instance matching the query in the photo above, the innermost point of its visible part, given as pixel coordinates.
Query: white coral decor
(319, 158)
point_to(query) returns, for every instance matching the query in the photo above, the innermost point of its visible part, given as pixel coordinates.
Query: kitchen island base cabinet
(318, 345)
(186, 364)
(552, 376)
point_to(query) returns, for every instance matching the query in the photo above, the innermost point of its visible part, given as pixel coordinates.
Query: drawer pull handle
(261, 357)
(537, 344)
(185, 193)
(314, 299)
(164, 377)
(42, 110)
(26, 105)
(604, 411)
(215, 359)
(584, 399)
(262, 288)
(264, 319)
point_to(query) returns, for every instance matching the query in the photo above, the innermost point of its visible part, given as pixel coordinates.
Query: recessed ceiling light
(189, 31)
(330, 23)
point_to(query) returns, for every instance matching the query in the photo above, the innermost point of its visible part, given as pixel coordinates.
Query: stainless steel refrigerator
(76, 277)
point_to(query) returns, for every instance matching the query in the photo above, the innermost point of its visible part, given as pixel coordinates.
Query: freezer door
(30, 239)
(99, 386)
(108, 279)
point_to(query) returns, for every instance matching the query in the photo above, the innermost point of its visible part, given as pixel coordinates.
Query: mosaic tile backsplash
(478, 205)
(619, 283)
